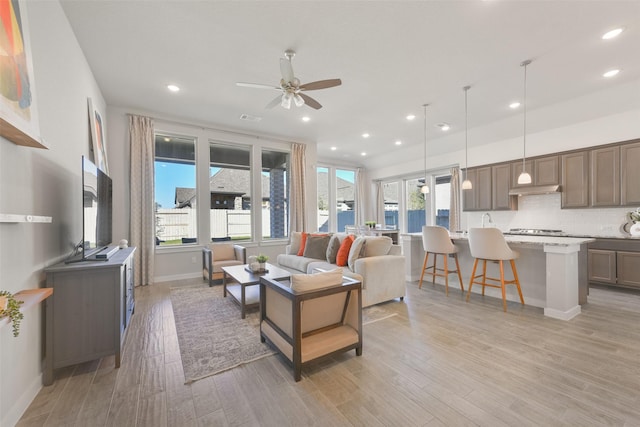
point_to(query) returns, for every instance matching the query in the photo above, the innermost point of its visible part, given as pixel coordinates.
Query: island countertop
(536, 240)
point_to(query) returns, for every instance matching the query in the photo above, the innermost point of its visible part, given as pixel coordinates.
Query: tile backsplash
(543, 211)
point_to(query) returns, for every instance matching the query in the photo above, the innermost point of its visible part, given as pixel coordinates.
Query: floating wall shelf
(15, 218)
(17, 136)
(30, 297)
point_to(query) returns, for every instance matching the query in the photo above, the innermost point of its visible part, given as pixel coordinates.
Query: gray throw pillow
(316, 246)
(332, 249)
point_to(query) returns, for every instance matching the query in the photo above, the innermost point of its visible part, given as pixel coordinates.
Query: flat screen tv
(97, 193)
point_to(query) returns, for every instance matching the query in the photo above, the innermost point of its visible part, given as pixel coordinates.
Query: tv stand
(91, 308)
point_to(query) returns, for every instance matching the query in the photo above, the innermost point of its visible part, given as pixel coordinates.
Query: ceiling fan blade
(276, 101)
(321, 84)
(286, 70)
(310, 101)
(258, 86)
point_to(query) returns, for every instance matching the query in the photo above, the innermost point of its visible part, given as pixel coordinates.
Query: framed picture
(18, 109)
(98, 143)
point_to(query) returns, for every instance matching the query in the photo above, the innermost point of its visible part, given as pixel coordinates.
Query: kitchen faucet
(488, 216)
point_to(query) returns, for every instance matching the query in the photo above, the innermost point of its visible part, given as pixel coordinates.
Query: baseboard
(161, 279)
(18, 409)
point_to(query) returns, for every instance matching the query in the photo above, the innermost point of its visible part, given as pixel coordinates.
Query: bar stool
(488, 244)
(436, 241)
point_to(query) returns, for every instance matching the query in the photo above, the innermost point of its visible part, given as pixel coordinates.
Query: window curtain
(380, 203)
(142, 215)
(298, 181)
(360, 197)
(454, 208)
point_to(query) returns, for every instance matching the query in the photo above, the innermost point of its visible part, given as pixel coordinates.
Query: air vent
(250, 118)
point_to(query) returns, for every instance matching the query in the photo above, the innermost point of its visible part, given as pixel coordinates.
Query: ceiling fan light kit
(524, 177)
(291, 88)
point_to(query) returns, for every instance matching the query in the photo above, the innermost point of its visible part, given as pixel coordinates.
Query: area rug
(212, 336)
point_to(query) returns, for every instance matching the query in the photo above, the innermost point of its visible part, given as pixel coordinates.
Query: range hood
(536, 189)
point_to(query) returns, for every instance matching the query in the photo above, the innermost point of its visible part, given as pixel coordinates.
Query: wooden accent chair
(218, 255)
(317, 316)
(488, 244)
(436, 241)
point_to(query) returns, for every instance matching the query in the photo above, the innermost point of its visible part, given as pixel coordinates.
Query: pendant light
(466, 184)
(425, 187)
(524, 177)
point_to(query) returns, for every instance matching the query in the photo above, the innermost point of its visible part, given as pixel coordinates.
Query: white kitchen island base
(552, 270)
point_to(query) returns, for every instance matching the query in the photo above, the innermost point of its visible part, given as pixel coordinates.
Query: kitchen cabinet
(630, 174)
(615, 262)
(543, 171)
(605, 177)
(500, 186)
(91, 309)
(575, 179)
(546, 171)
(479, 197)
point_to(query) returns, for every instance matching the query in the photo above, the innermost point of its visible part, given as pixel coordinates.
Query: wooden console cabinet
(92, 306)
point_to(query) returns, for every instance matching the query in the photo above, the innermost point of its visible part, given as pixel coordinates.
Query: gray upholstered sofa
(373, 260)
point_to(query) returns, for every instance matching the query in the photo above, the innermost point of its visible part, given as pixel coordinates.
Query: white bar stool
(436, 241)
(488, 244)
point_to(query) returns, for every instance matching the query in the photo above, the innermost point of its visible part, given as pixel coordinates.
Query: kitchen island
(552, 270)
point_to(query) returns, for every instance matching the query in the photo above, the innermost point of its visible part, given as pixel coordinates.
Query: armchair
(218, 255)
(317, 316)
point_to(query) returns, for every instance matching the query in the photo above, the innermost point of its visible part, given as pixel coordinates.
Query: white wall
(42, 182)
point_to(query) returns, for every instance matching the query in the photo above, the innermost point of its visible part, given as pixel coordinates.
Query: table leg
(224, 284)
(242, 305)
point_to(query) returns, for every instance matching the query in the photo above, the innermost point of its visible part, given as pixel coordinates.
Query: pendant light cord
(524, 109)
(425, 143)
(466, 131)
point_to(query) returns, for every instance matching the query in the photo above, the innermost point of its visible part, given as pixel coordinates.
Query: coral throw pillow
(303, 242)
(343, 253)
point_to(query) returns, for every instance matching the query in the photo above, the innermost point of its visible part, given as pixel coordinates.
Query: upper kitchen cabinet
(575, 179)
(479, 197)
(516, 170)
(605, 177)
(543, 171)
(630, 174)
(500, 179)
(546, 171)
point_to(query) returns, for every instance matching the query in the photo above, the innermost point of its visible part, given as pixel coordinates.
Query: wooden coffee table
(244, 288)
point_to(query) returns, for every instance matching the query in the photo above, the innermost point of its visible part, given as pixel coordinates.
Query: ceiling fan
(291, 88)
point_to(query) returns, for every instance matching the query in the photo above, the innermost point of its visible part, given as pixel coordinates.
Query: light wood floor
(440, 362)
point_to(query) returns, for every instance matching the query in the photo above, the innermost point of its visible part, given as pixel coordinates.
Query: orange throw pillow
(343, 253)
(303, 241)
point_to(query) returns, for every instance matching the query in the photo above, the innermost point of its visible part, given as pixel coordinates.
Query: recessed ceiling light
(398, 142)
(514, 105)
(611, 73)
(173, 88)
(365, 135)
(334, 148)
(363, 154)
(306, 118)
(411, 117)
(612, 34)
(443, 126)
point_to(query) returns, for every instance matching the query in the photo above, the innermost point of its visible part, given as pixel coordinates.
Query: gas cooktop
(535, 232)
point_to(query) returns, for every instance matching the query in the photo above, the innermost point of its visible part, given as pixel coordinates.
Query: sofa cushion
(223, 251)
(356, 251)
(332, 249)
(308, 282)
(377, 245)
(316, 246)
(296, 237)
(294, 262)
(303, 242)
(342, 257)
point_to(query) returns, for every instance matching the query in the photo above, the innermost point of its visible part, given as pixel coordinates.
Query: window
(391, 199)
(230, 192)
(275, 193)
(345, 198)
(415, 202)
(323, 198)
(175, 190)
(443, 200)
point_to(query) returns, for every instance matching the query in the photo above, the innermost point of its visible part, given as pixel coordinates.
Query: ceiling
(392, 57)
